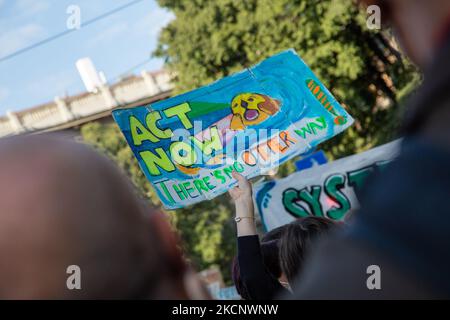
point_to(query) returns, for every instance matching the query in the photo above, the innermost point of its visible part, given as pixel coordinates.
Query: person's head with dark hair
(270, 251)
(296, 241)
(236, 275)
(274, 234)
(63, 204)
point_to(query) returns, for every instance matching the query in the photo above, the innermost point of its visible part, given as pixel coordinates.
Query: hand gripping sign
(249, 122)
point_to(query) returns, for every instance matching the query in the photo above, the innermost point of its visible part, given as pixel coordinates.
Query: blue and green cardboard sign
(249, 122)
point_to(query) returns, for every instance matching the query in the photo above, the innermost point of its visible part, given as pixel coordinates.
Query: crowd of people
(64, 204)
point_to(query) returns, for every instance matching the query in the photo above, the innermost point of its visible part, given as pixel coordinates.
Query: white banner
(327, 190)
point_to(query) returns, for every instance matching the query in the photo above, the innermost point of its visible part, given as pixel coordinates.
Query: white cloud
(148, 26)
(52, 84)
(13, 37)
(4, 92)
(21, 10)
(109, 34)
(18, 38)
(154, 21)
(31, 7)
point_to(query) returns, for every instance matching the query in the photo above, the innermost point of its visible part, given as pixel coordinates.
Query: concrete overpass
(69, 113)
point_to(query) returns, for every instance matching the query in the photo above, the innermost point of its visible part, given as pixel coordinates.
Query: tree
(209, 39)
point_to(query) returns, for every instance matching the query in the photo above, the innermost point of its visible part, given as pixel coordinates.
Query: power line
(66, 32)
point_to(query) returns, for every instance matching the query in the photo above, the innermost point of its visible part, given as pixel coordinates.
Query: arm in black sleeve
(257, 280)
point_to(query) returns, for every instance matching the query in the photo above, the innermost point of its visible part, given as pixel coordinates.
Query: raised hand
(243, 192)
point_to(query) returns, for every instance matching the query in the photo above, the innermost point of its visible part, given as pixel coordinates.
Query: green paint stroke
(199, 109)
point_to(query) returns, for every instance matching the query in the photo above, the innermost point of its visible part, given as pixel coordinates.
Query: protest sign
(310, 160)
(249, 122)
(325, 191)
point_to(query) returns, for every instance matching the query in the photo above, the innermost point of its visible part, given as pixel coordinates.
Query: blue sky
(115, 44)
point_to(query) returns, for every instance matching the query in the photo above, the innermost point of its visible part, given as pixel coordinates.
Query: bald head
(62, 204)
